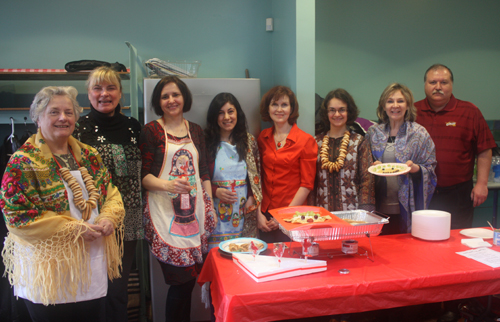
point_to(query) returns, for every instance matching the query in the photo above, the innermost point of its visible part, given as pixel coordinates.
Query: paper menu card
(265, 268)
(483, 255)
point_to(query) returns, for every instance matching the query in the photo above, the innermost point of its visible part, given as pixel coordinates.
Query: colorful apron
(229, 173)
(178, 219)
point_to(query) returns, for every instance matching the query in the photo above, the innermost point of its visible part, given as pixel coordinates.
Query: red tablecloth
(405, 271)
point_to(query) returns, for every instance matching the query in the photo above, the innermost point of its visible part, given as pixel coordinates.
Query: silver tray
(372, 227)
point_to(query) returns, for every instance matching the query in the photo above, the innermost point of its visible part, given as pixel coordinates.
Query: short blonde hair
(411, 112)
(103, 74)
(45, 95)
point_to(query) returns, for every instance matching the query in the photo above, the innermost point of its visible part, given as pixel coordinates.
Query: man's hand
(479, 194)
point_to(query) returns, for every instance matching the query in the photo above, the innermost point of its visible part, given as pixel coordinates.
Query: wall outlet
(269, 24)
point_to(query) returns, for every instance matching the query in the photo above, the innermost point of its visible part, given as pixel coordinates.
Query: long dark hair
(212, 132)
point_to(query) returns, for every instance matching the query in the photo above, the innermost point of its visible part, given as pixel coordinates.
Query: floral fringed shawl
(44, 248)
(415, 144)
(253, 166)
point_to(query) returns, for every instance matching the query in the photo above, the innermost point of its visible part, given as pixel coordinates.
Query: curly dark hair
(275, 94)
(156, 97)
(212, 132)
(344, 96)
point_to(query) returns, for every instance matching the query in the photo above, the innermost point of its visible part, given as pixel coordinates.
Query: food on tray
(355, 222)
(243, 247)
(308, 217)
(389, 169)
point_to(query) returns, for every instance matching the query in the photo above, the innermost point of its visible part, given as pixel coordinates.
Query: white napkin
(475, 242)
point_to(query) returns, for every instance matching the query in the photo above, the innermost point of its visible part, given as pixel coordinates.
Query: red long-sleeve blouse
(285, 170)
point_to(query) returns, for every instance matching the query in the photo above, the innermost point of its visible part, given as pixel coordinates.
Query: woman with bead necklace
(288, 157)
(234, 165)
(178, 210)
(116, 137)
(62, 211)
(342, 178)
(397, 138)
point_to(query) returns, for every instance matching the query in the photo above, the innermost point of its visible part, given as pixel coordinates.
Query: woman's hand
(107, 227)
(414, 168)
(178, 185)
(250, 202)
(376, 162)
(264, 224)
(226, 195)
(93, 232)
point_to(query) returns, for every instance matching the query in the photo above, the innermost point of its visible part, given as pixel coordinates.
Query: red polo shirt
(460, 133)
(286, 169)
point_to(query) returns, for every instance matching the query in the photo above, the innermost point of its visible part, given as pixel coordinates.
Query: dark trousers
(117, 298)
(75, 312)
(11, 308)
(178, 304)
(273, 236)
(457, 201)
(394, 225)
(182, 281)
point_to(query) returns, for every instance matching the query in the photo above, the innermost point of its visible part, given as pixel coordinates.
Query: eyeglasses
(341, 110)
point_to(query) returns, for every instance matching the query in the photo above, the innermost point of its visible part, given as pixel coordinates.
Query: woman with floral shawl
(62, 211)
(398, 139)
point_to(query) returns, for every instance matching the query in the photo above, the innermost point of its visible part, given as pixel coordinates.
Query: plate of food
(242, 245)
(389, 169)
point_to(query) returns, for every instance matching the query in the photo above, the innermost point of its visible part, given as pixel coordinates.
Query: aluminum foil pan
(371, 226)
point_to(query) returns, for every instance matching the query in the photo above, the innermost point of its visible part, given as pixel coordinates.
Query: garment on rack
(10, 145)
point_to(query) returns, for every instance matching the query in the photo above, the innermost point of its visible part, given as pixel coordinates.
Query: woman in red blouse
(288, 157)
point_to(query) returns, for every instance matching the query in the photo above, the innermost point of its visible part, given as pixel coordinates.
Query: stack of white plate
(431, 224)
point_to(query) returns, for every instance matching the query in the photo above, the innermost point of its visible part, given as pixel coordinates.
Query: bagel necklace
(326, 164)
(85, 206)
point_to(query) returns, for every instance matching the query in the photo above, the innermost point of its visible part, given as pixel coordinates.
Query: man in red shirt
(460, 134)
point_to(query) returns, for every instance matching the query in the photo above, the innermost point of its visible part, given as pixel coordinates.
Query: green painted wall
(227, 36)
(283, 44)
(364, 45)
(305, 49)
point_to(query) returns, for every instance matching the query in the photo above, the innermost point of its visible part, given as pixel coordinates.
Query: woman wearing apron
(61, 210)
(178, 210)
(234, 166)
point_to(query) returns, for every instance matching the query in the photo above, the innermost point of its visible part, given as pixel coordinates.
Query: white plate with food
(242, 245)
(477, 233)
(389, 169)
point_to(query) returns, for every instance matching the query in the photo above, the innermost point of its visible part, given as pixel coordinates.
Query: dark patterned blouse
(117, 138)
